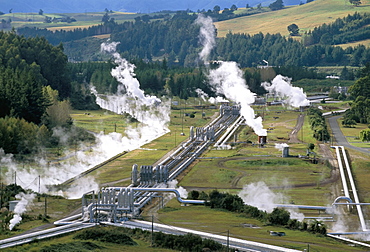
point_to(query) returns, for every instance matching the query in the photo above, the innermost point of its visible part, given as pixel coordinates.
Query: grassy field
(227, 170)
(352, 134)
(70, 243)
(306, 16)
(219, 222)
(84, 20)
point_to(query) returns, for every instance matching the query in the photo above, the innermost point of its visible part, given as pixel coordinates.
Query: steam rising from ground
(259, 195)
(150, 111)
(201, 94)
(153, 113)
(281, 146)
(20, 208)
(207, 36)
(181, 190)
(227, 79)
(282, 88)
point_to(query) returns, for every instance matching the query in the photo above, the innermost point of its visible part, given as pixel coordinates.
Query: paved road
(339, 138)
(293, 135)
(239, 244)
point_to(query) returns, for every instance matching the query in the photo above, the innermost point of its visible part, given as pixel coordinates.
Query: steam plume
(201, 94)
(206, 37)
(281, 146)
(149, 110)
(228, 80)
(20, 208)
(260, 196)
(281, 86)
(216, 100)
(181, 190)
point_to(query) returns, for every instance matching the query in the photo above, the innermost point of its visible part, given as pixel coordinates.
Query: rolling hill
(307, 17)
(140, 6)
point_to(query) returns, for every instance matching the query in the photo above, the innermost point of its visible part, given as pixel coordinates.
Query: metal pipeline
(320, 208)
(170, 190)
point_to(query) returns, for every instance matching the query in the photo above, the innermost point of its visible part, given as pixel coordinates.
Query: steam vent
(262, 139)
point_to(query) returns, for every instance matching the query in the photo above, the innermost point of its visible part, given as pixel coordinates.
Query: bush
(279, 217)
(106, 235)
(72, 246)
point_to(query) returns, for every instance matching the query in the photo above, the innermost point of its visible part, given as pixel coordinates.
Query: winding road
(340, 139)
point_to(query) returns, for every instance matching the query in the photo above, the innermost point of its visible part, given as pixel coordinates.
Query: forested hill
(177, 40)
(26, 66)
(140, 6)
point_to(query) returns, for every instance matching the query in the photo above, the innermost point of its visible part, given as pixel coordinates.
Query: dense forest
(38, 86)
(34, 86)
(176, 38)
(360, 107)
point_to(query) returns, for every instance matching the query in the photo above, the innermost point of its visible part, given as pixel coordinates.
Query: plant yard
(297, 179)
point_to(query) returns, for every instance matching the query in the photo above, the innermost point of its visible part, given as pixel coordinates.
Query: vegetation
(278, 217)
(360, 91)
(104, 235)
(176, 39)
(365, 135)
(318, 124)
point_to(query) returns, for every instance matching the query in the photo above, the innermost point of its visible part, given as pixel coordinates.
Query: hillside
(140, 6)
(306, 16)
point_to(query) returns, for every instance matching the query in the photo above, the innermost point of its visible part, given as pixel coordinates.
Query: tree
(47, 19)
(216, 9)
(361, 87)
(279, 217)
(277, 5)
(105, 18)
(233, 7)
(293, 30)
(365, 135)
(355, 2)
(348, 122)
(311, 146)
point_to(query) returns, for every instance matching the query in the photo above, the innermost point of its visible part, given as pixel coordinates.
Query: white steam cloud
(281, 146)
(20, 208)
(201, 94)
(181, 190)
(281, 86)
(228, 80)
(218, 99)
(260, 196)
(207, 36)
(151, 112)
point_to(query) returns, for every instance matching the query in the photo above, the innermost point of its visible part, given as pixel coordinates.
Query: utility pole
(45, 206)
(228, 243)
(39, 183)
(152, 232)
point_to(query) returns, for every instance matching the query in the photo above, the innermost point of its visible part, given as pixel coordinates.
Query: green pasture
(70, 240)
(220, 222)
(56, 208)
(83, 20)
(306, 16)
(107, 122)
(352, 134)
